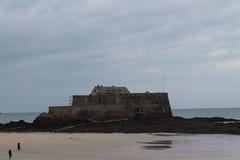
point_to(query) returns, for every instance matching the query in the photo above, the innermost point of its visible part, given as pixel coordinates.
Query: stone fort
(111, 102)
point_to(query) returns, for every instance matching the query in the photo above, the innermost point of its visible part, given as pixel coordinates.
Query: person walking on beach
(10, 153)
(18, 146)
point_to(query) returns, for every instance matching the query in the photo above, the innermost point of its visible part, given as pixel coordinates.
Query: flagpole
(163, 83)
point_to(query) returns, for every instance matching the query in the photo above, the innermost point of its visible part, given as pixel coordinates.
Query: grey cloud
(52, 49)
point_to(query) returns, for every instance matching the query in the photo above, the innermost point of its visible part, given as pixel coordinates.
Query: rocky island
(111, 109)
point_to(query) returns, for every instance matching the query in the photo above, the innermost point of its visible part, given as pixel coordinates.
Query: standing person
(10, 153)
(18, 146)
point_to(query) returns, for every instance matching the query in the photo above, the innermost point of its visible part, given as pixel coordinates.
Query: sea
(27, 117)
(208, 112)
(186, 113)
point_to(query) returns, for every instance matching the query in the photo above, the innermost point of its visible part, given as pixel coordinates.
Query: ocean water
(208, 112)
(28, 117)
(186, 113)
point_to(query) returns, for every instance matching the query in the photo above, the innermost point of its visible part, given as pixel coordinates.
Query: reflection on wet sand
(157, 144)
(164, 134)
(156, 147)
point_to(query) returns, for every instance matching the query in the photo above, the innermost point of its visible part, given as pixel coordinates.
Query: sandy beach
(60, 146)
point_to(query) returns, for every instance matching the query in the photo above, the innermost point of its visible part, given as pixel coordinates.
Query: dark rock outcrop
(44, 122)
(16, 126)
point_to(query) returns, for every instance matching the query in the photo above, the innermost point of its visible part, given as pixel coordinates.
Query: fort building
(112, 102)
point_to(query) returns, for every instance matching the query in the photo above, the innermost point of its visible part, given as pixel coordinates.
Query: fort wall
(60, 111)
(100, 111)
(133, 98)
(115, 106)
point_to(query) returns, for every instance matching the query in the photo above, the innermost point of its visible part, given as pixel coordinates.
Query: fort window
(136, 110)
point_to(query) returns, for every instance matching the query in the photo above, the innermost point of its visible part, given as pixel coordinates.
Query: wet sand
(60, 146)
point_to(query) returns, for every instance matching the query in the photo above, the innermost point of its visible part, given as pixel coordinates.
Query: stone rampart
(60, 111)
(115, 106)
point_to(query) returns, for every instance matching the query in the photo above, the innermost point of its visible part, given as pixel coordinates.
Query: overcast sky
(52, 49)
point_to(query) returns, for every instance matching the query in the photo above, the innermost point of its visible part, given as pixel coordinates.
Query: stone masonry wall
(60, 111)
(115, 106)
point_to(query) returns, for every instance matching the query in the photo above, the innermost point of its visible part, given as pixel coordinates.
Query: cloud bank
(53, 49)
